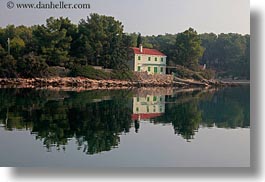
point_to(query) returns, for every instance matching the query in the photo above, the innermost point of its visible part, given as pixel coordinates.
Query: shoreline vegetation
(94, 54)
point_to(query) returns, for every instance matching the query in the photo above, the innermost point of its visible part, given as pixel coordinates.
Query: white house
(151, 61)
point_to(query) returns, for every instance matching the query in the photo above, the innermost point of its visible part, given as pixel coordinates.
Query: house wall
(150, 64)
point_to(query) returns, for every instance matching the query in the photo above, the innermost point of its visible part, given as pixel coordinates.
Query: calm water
(141, 127)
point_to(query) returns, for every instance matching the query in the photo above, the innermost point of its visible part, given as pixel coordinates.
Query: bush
(208, 74)
(8, 67)
(200, 74)
(31, 66)
(58, 71)
(88, 72)
(122, 75)
(183, 72)
(92, 73)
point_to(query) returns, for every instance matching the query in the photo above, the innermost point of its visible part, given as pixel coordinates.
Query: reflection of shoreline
(143, 91)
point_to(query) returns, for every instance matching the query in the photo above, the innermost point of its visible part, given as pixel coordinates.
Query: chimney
(141, 48)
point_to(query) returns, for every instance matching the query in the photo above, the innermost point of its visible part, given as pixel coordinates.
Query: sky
(149, 17)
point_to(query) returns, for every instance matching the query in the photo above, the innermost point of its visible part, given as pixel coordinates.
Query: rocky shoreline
(86, 83)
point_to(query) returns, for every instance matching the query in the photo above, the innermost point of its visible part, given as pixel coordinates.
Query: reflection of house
(145, 108)
(151, 61)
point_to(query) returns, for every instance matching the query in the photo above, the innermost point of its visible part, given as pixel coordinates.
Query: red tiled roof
(145, 116)
(147, 51)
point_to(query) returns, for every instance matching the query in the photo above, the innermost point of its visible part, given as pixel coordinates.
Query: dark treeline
(227, 54)
(100, 40)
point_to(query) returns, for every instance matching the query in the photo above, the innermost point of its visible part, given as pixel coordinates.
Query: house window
(147, 108)
(137, 109)
(149, 69)
(154, 98)
(155, 69)
(148, 99)
(139, 58)
(138, 99)
(149, 58)
(162, 59)
(155, 58)
(139, 68)
(161, 69)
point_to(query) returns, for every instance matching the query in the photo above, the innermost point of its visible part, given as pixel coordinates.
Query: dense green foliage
(100, 40)
(8, 67)
(227, 54)
(53, 40)
(188, 49)
(32, 66)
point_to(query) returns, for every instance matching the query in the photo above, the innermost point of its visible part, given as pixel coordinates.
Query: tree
(120, 55)
(54, 41)
(101, 41)
(8, 32)
(188, 49)
(139, 40)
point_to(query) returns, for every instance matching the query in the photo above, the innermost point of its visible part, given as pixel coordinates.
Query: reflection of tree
(15, 104)
(185, 118)
(55, 118)
(100, 124)
(228, 108)
(51, 124)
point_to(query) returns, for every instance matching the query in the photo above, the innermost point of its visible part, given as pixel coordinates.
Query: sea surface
(155, 127)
